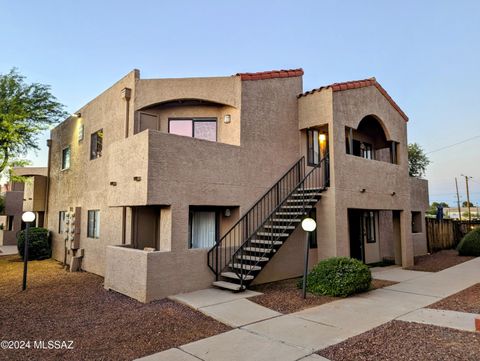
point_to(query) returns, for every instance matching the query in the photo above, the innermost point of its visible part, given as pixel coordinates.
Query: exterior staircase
(241, 254)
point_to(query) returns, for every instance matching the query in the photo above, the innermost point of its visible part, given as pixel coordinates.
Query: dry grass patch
(104, 325)
(438, 261)
(402, 341)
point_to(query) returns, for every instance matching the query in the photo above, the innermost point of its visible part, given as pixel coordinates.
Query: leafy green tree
(417, 160)
(465, 204)
(433, 207)
(25, 111)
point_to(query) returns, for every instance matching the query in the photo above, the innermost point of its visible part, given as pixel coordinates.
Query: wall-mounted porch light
(227, 118)
(227, 212)
(137, 178)
(322, 137)
(77, 115)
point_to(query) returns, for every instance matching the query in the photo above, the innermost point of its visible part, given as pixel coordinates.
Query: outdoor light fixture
(77, 115)
(393, 193)
(322, 137)
(227, 118)
(363, 190)
(308, 225)
(137, 178)
(227, 212)
(27, 217)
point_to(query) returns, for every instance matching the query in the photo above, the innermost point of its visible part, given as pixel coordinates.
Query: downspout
(126, 94)
(47, 190)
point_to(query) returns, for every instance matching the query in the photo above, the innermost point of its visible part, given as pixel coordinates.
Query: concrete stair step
(244, 266)
(301, 200)
(293, 213)
(234, 276)
(253, 258)
(270, 234)
(278, 226)
(280, 220)
(257, 250)
(267, 242)
(228, 285)
(296, 206)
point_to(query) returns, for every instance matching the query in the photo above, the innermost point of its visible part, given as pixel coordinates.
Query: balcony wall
(128, 159)
(34, 194)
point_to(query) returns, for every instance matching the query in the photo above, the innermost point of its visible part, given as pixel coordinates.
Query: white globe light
(28, 217)
(309, 224)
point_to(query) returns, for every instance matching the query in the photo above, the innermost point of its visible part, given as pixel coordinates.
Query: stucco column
(406, 238)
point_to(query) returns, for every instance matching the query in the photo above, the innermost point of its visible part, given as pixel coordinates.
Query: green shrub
(38, 243)
(339, 276)
(470, 244)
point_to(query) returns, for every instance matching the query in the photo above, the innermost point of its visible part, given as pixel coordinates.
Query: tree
(465, 204)
(25, 111)
(433, 207)
(417, 160)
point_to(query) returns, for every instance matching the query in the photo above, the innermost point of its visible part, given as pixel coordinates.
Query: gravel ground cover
(398, 341)
(467, 300)
(285, 297)
(438, 261)
(103, 325)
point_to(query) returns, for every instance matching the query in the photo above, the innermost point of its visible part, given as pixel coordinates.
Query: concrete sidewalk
(297, 336)
(8, 250)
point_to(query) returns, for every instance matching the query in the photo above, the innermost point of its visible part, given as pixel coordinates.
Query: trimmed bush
(339, 276)
(38, 243)
(470, 244)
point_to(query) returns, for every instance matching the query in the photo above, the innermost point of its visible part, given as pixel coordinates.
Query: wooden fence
(446, 234)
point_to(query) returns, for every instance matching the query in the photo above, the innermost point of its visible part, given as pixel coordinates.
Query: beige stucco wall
(86, 183)
(419, 202)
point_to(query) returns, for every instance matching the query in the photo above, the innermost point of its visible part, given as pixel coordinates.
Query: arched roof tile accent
(355, 84)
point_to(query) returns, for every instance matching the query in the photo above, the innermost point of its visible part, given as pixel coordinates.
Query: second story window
(313, 147)
(201, 128)
(66, 158)
(96, 144)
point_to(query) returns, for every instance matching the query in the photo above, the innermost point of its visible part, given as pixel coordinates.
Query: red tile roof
(359, 84)
(289, 73)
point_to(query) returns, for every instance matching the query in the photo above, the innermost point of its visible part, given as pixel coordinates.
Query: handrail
(316, 178)
(224, 248)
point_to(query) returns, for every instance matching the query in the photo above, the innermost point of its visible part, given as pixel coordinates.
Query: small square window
(66, 158)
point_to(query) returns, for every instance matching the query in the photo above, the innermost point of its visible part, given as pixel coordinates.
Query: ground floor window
(312, 236)
(369, 226)
(416, 222)
(61, 221)
(10, 223)
(93, 230)
(203, 228)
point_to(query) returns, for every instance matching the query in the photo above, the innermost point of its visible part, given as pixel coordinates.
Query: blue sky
(425, 53)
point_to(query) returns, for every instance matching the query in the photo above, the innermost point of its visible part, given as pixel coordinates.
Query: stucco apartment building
(28, 195)
(164, 186)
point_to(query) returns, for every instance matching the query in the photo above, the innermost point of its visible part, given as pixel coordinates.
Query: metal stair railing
(315, 181)
(223, 250)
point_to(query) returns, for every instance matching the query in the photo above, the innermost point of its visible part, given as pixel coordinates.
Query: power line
(453, 145)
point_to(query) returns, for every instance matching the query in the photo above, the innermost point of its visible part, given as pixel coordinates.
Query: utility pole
(468, 199)
(458, 201)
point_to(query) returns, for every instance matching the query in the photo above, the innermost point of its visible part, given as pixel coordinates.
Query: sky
(426, 54)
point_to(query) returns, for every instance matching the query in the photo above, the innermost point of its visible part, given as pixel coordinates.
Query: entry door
(355, 217)
(363, 229)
